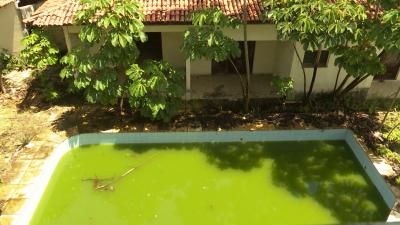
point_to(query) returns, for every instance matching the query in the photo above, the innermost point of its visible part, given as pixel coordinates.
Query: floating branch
(100, 184)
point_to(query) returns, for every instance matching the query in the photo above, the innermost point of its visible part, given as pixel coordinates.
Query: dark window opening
(27, 2)
(311, 56)
(226, 67)
(391, 61)
(151, 49)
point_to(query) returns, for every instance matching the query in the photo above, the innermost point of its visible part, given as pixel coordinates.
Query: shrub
(283, 87)
(39, 52)
(155, 90)
(41, 55)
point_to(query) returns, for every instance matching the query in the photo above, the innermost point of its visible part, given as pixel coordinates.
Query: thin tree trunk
(347, 77)
(352, 85)
(2, 88)
(242, 85)
(336, 81)
(304, 71)
(314, 76)
(338, 75)
(247, 61)
(390, 108)
(121, 105)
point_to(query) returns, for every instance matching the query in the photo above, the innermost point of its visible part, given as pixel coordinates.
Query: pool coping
(25, 214)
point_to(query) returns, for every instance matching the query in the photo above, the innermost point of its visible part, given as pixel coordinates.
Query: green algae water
(305, 182)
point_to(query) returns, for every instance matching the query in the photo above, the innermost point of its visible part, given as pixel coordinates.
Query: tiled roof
(60, 12)
(5, 2)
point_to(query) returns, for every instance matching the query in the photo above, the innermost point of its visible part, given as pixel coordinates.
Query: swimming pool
(263, 177)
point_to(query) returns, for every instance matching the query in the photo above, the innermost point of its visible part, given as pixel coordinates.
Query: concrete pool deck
(26, 189)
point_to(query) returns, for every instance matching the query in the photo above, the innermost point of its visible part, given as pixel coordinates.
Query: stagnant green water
(318, 182)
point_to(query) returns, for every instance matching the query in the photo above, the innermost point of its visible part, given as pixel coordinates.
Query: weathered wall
(11, 29)
(326, 76)
(200, 67)
(56, 35)
(273, 57)
(284, 59)
(256, 32)
(171, 43)
(383, 89)
(264, 57)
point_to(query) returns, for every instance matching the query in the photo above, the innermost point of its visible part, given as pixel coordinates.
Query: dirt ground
(29, 129)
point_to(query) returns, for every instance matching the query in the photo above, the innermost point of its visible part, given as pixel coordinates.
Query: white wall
(11, 29)
(383, 89)
(284, 59)
(326, 76)
(200, 67)
(273, 57)
(255, 31)
(171, 44)
(265, 57)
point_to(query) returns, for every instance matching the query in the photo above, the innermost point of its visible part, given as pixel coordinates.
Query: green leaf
(122, 40)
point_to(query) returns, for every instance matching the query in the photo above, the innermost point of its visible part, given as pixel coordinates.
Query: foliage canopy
(105, 67)
(205, 39)
(39, 51)
(354, 32)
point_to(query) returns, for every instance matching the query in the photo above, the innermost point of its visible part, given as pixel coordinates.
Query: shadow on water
(326, 171)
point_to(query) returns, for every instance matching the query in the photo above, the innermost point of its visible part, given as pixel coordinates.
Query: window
(392, 64)
(27, 2)
(310, 57)
(151, 49)
(225, 67)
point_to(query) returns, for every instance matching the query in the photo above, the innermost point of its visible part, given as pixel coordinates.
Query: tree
(380, 33)
(360, 62)
(156, 89)
(41, 55)
(205, 39)
(110, 28)
(39, 52)
(317, 25)
(105, 67)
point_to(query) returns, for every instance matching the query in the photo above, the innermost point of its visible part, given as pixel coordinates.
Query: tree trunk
(338, 75)
(304, 71)
(242, 84)
(121, 105)
(247, 61)
(314, 76)
(2, 88)
(337, 79)
(342, 84)
(352, 85)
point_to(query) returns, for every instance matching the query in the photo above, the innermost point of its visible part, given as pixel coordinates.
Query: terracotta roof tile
(60, 12)
(5, 2)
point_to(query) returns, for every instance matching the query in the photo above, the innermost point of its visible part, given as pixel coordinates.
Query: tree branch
(240, 77)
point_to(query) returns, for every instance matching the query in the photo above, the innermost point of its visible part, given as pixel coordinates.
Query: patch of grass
(397, 181)
(389, 154)
(25, 139)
